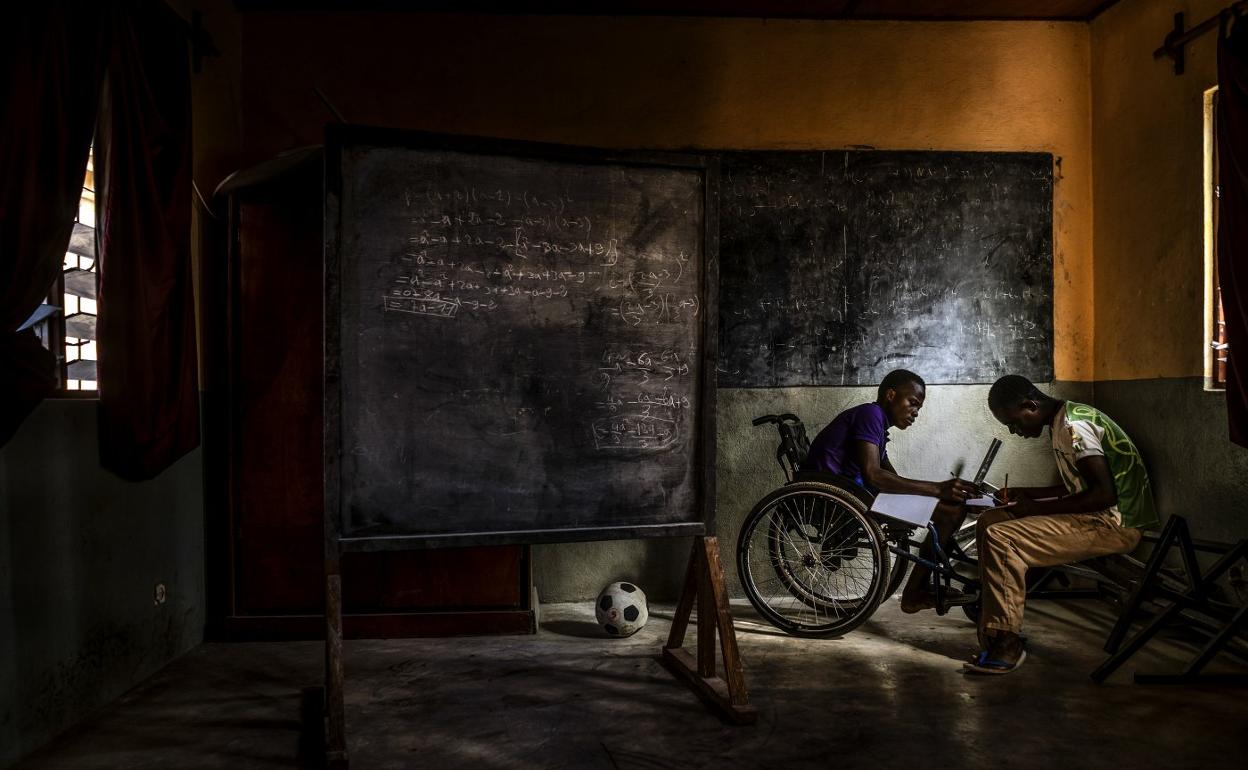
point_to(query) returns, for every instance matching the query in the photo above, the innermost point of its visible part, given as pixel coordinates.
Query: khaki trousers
(1008, 546)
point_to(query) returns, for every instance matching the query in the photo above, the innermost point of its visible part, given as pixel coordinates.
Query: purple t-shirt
(832, 450)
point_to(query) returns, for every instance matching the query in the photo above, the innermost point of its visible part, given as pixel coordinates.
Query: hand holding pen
(1003, 494)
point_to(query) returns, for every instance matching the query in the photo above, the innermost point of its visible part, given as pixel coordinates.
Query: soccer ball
(621, 609)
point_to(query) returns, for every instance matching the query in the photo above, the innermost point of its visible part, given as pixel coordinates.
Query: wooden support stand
(323, 738)
(704, 581)
(324, 713)
(1196, 596)
(336, 734)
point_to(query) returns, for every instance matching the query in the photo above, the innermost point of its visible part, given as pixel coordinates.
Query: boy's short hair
(895, 379)
(1013, 389)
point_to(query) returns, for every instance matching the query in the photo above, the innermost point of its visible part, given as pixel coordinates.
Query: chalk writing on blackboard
(521, 341)
(840, 266)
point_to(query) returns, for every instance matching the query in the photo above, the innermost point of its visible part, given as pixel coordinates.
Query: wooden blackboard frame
(338, 137)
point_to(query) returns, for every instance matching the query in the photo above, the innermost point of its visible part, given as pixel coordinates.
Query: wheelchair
(814, 561)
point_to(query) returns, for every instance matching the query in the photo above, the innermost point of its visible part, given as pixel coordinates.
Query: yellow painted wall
(702, 83)
(1147, 145)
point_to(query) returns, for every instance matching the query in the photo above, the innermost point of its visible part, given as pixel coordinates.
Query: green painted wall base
(80, 555)
(1181, 430)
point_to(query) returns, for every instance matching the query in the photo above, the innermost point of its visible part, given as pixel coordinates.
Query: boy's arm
(1036, 493)
(1098, 495)
(885, 479)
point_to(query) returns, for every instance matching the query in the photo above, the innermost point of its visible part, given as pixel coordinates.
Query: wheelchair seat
(836, 480)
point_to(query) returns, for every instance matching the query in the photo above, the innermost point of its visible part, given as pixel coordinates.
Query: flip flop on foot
(986, 665)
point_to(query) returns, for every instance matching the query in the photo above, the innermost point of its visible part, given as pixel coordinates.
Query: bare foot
(918, 602)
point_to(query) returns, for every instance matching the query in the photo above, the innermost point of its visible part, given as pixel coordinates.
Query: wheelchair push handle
(793, 447)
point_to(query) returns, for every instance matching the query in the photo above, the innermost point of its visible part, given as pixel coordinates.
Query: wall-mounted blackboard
(518, 341)
(838, 267)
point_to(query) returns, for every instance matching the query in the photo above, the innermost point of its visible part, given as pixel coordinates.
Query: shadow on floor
(570, 697)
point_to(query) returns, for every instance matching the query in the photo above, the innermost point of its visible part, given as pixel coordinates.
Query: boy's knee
(992, 535)
(986, 520)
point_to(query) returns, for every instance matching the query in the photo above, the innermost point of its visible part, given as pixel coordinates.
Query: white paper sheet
(982, 502)
(912, 509)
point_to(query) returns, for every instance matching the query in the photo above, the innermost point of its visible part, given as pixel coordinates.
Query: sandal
(986, 665)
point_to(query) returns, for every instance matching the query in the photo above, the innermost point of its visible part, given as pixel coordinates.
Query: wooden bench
(1160, 596)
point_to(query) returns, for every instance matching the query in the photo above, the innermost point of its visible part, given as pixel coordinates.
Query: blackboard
(837, 267)
(519, 341)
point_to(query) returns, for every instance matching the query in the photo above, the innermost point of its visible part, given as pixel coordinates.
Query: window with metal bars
(1216, 371)
(1218, 343)
(66, 321)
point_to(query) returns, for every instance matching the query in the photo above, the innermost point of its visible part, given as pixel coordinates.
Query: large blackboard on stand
(519, 341)
(837, 267)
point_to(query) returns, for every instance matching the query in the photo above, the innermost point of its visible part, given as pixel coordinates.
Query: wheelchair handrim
(824, 567)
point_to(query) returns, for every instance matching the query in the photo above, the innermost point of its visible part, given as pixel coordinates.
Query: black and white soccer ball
(621, 609)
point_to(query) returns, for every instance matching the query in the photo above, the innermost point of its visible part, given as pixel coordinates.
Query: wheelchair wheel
(811, 561)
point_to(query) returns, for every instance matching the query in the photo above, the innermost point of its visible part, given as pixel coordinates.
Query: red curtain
(1232, 137)
(52, 59)
(149, 410)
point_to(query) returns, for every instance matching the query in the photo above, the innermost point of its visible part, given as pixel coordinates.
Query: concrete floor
(889, 694)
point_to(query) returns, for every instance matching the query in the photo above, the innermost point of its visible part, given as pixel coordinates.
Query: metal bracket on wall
(1172, 46)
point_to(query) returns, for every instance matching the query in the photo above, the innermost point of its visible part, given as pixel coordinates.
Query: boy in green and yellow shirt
(1104, 502)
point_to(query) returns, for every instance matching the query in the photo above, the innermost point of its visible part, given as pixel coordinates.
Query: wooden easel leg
(706, 624)
(1196, 596)
(704, 581)
(336, 743)
(1131, 606)
(1133, 646)
(1218, 642)
(734, 672)
(684, 607)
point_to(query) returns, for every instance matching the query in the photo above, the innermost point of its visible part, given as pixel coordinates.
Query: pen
(1005, 490)
(951, 473)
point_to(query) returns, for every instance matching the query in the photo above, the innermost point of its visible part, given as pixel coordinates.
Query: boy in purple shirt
(833, 450)
(852, 445)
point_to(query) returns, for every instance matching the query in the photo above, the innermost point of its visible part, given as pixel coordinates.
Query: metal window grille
(1219, 344)
(66, 322)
